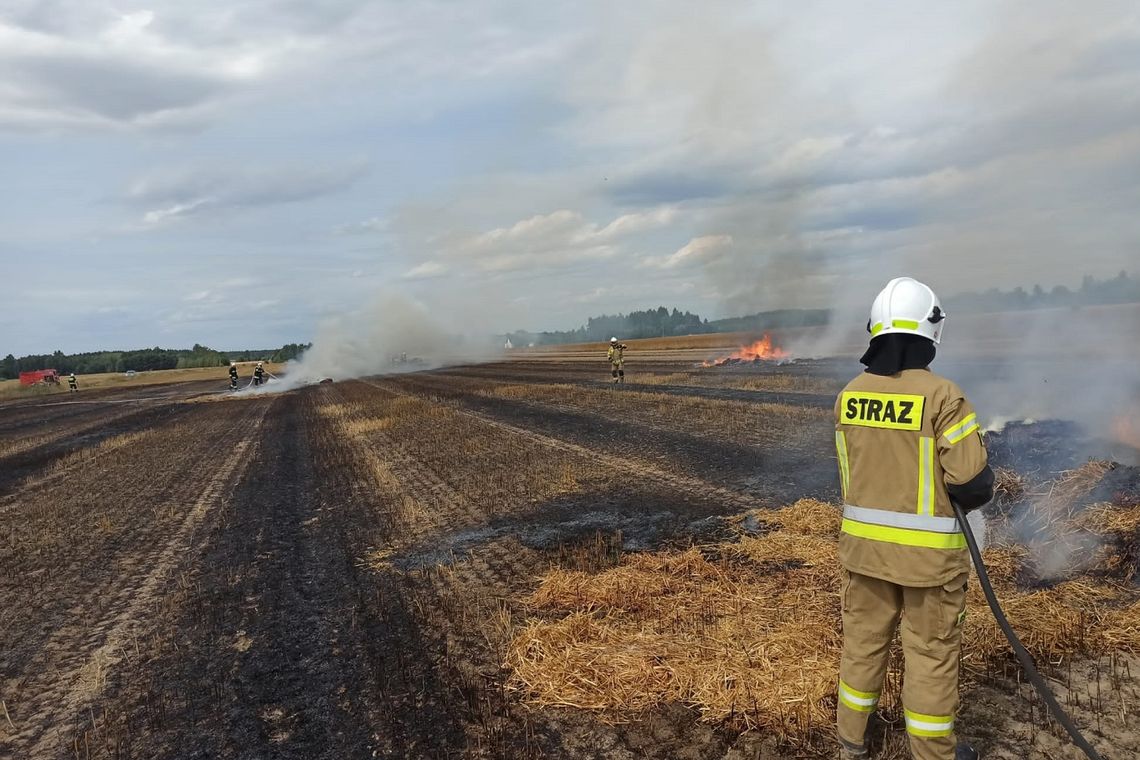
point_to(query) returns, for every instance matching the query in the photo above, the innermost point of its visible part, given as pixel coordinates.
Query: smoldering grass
(1009, 487)
(756, 644)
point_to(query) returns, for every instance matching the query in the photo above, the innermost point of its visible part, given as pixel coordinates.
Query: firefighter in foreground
(72, 383)
(908, 443)
(233, 376)
(258, 374)
(616, 356)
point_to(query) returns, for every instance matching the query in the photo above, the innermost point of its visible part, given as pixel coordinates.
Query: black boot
(965, 752)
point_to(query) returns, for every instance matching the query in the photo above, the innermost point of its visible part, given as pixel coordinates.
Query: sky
(237, 172)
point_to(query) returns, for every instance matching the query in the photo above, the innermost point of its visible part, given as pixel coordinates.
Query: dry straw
(747, 631)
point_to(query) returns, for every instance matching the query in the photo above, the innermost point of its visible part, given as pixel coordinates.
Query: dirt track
(335, 572)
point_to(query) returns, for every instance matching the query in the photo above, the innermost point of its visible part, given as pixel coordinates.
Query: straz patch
(895, 411)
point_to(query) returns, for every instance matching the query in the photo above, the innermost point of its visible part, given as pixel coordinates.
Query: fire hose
(1022, 655)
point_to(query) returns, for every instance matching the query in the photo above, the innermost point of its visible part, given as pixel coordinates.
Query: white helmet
(907, 306)
(613, 340)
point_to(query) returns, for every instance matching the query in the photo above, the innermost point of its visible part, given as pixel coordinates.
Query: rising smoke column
(394, 334)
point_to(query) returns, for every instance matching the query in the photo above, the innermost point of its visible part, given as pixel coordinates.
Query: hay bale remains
(752, 638)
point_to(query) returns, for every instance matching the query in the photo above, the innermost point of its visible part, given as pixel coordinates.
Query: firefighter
(233, 376)
(908, 443)
(616, 356)
(258, 374)
(72, 383)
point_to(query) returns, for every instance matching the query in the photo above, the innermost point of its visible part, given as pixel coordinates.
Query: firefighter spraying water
(908, 443)
(912, 466)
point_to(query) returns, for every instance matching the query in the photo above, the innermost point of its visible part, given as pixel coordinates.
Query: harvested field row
(758, 378)
(631, 465)
(758, 424)
(86, 569)
(662, 442)
(47, 454)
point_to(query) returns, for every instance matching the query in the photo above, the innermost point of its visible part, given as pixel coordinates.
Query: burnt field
(509, 560)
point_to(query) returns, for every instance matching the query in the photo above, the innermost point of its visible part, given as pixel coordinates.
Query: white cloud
(694, 253)
(555, 240)
(426, 271)
(190, 192)
(87, 66)
(117, 74)
(158, 216)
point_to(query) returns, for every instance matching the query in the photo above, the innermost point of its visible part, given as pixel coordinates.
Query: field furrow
(111, 552)
(654, 438)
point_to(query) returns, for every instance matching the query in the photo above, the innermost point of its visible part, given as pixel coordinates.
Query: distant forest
(1093, 292)
(660, 322)
(142, 360)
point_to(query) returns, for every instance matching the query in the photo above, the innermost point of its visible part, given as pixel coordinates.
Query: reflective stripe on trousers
(918, 724)
(860, 701)
(901, 528)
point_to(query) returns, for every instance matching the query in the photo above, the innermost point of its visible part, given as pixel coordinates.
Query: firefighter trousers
(931, 623)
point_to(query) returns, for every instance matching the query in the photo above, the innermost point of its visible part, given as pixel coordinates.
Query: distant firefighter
(233, 376)
(259, 374)
(72, 383)
(616, 356)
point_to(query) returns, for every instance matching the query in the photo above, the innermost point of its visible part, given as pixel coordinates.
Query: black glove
(975, 493)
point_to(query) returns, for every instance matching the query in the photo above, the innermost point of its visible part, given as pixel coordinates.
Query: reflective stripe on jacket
(899, 440)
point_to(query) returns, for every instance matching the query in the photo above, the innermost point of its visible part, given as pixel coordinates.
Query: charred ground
(336, 572)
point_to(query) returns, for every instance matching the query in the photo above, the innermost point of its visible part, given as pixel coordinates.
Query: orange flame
(764, 349)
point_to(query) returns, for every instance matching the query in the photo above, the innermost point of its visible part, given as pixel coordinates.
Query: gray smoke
(395, 334)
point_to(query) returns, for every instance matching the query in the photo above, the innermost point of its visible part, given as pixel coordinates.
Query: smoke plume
(394, 334)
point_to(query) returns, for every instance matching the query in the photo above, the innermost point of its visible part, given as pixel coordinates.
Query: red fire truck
(39, 376)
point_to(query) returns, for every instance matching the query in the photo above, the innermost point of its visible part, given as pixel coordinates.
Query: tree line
(1116, 290)
(663, 322)
(142, 360)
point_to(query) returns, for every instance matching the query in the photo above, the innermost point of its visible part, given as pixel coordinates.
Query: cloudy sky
(233, 172)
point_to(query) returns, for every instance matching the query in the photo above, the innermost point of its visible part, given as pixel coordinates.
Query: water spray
(1023, 656)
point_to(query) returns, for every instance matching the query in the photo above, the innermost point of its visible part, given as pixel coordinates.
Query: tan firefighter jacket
(616, 355)
(900, 440)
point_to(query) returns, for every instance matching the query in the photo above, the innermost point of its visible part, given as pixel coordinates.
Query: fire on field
(763, 349)
(747, 631)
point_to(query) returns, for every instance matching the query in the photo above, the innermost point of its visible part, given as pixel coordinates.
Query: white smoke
(394, 334)
(1066, 364)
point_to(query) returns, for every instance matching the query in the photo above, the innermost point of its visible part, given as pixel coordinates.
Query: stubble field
(501, 560)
